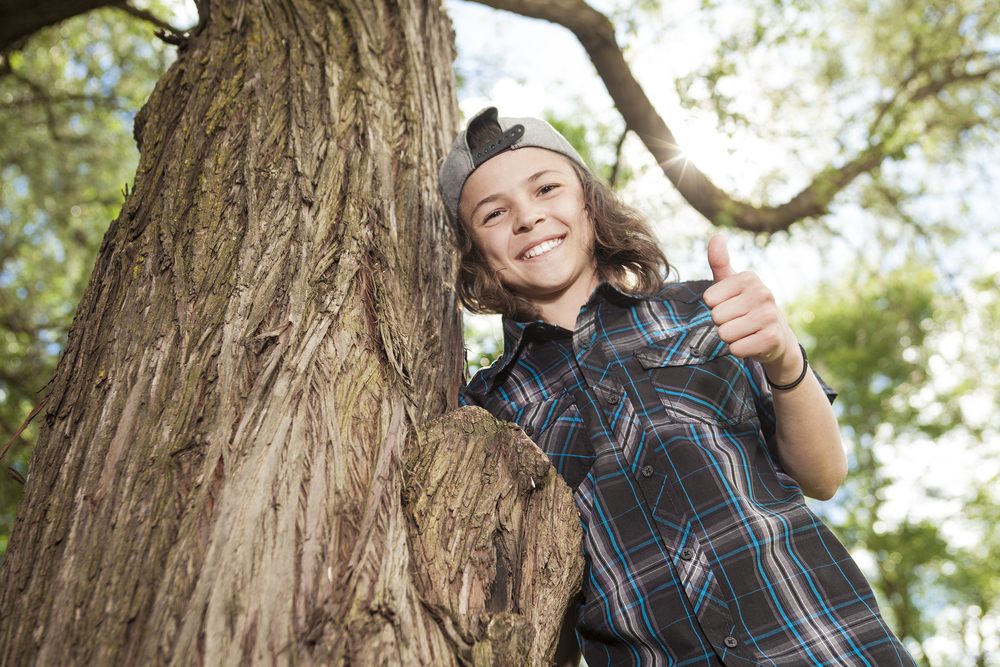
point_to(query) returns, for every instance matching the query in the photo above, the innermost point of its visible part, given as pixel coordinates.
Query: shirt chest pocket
(696, 379)
(558, 429)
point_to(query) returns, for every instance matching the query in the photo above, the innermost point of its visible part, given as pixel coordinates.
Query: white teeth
(542, 248)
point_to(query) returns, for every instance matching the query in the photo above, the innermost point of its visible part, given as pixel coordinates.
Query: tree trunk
(226, 472)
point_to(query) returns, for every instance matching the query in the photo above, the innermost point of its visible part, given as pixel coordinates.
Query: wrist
(785, 376)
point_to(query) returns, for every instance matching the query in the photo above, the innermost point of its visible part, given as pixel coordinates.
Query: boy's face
(525, 211)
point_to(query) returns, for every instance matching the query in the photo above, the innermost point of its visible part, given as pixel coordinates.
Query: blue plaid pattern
(700, 550)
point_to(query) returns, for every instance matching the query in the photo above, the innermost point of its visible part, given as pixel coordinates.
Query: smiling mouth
(541, 248)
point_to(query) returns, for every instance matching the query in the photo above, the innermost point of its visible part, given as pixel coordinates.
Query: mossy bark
(494, 538)
(220, 474)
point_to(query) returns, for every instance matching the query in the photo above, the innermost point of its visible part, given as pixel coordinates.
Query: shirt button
(529, 429)
(730, 642)
(613, 400)
(647, 471)
(687, 554)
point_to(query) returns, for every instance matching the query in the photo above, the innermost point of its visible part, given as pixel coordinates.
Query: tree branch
(38, 408)
(618, 158)
(164, 27)
(46, 102)
(596, 34)
(37, 93)
(19, 21)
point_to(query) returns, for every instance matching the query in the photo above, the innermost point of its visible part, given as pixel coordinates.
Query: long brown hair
(625, 252)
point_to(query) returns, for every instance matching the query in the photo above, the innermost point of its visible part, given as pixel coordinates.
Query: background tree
(875, 337)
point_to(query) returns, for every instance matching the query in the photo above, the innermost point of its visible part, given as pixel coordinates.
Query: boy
(682, 416)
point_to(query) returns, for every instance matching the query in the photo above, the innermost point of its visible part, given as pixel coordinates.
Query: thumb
(718, 258)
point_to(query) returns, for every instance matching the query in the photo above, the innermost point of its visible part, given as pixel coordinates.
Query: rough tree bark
(227, 472)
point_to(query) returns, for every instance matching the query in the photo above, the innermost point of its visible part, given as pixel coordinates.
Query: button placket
(652, 480)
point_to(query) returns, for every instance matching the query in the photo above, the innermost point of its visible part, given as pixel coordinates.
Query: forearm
(807, 436)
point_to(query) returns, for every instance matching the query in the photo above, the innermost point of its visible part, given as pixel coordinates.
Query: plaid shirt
(700, 549)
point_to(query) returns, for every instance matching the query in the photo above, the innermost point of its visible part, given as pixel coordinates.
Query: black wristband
(786, 387)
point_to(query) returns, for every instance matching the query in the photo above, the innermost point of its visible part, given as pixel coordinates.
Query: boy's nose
(527, 220)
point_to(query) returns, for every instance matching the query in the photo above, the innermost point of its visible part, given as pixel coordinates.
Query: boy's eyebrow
(492, 198)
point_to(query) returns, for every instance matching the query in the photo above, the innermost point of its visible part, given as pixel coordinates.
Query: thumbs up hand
(806, 437)
(718, 258)
(748, 317)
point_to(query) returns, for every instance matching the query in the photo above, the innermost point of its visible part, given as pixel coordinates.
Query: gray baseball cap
(515, 133)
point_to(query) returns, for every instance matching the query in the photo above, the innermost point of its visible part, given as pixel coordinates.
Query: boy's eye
(547, 188)
(492, 215)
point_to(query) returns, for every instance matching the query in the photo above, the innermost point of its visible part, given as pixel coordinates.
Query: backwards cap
(514, 133)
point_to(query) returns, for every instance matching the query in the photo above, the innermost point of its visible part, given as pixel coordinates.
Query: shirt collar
(517, 334)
